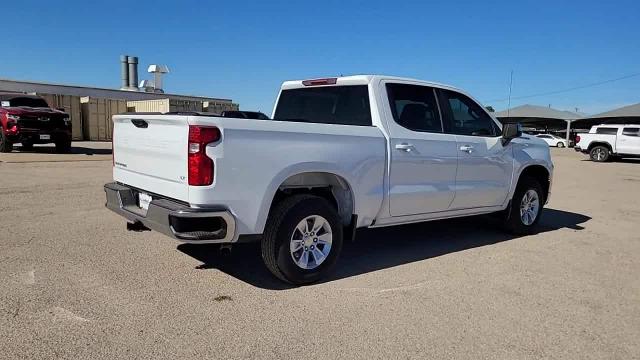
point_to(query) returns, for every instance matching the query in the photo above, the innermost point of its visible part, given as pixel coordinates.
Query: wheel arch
(333, 187)
(541, 174)
(599, 143)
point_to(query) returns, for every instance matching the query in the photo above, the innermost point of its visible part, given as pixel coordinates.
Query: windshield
(344, 105)
(26, 102)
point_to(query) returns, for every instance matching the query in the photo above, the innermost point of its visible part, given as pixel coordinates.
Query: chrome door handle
(404, 147)
(466, 148)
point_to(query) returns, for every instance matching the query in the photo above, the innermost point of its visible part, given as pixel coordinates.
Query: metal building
(624, 115)
(540, 119)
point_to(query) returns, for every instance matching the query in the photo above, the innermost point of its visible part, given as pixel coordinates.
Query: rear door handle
(404, 147)
(466, 148)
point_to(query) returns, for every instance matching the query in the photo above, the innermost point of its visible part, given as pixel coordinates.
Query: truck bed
(253, 157)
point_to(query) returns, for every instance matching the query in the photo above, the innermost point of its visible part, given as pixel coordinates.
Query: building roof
(9, 85)
(535, 111)
(625, 111)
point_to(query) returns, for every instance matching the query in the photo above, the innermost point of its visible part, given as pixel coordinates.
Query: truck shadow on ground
(376, 249)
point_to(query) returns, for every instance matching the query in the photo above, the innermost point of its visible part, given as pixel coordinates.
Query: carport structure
(624, 115)
(540, 118)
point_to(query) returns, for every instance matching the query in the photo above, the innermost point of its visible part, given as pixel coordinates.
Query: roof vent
(158, 71)
(147, 86)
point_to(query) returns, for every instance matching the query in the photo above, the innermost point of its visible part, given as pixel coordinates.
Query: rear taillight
(200, 165)
(577, 139)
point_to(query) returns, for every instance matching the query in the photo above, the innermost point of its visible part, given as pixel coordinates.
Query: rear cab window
(340, 105)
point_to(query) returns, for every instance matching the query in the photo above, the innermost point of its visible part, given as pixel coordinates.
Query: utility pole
(510, 86)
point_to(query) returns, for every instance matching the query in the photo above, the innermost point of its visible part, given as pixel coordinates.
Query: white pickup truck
(605, 142)
(339, 154)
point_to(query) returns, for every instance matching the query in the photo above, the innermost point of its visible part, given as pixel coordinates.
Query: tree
(489, 108)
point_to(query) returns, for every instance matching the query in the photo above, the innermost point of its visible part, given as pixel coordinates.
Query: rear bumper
(174, 219)
(579, 149)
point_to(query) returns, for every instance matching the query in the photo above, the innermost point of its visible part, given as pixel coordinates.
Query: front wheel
(5, 145)
(560, 145)
(63, 147)
(302, 240)
(526, 207)
(599, 154)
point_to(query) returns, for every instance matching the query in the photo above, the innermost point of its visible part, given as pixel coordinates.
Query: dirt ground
(75, 284)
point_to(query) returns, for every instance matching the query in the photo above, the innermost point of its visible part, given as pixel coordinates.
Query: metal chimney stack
(133, 72)
(124, 73)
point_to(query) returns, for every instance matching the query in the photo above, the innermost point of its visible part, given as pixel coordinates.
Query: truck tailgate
(150, 153)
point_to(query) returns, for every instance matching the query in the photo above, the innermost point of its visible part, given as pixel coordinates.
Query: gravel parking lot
(75, 284)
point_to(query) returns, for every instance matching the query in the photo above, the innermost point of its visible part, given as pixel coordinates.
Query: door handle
(466, 148)
(404, 147)
(139, 123)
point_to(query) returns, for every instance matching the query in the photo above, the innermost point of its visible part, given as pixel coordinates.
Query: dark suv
(28, 119)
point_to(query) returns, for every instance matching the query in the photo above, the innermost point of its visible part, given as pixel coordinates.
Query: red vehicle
(28, 119)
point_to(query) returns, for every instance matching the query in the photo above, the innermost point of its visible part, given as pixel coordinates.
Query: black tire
(6, 146)
(63, 147)
(600, 153)
(26, 145)
(514, 222)
(560, 145)
(283, 219)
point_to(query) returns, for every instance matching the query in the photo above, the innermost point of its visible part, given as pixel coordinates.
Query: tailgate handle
(139, 123)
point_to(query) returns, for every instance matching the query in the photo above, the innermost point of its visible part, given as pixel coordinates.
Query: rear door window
(631, 131)
(343, 105)
(606, 131)
(414, 107)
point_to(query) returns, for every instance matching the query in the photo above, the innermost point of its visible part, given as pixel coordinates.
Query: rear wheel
(560, 145)
(6, 146)
(63, 146)
(526, 207)
(600, 154)
(302, 240)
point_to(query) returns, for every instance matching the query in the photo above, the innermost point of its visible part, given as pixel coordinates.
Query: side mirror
(511, 131)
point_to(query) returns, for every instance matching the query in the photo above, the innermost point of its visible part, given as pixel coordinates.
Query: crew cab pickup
(606, 142)
(338, 154)
(28, 119)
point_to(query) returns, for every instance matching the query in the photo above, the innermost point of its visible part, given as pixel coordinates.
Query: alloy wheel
(529, 207)
(310, 242)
